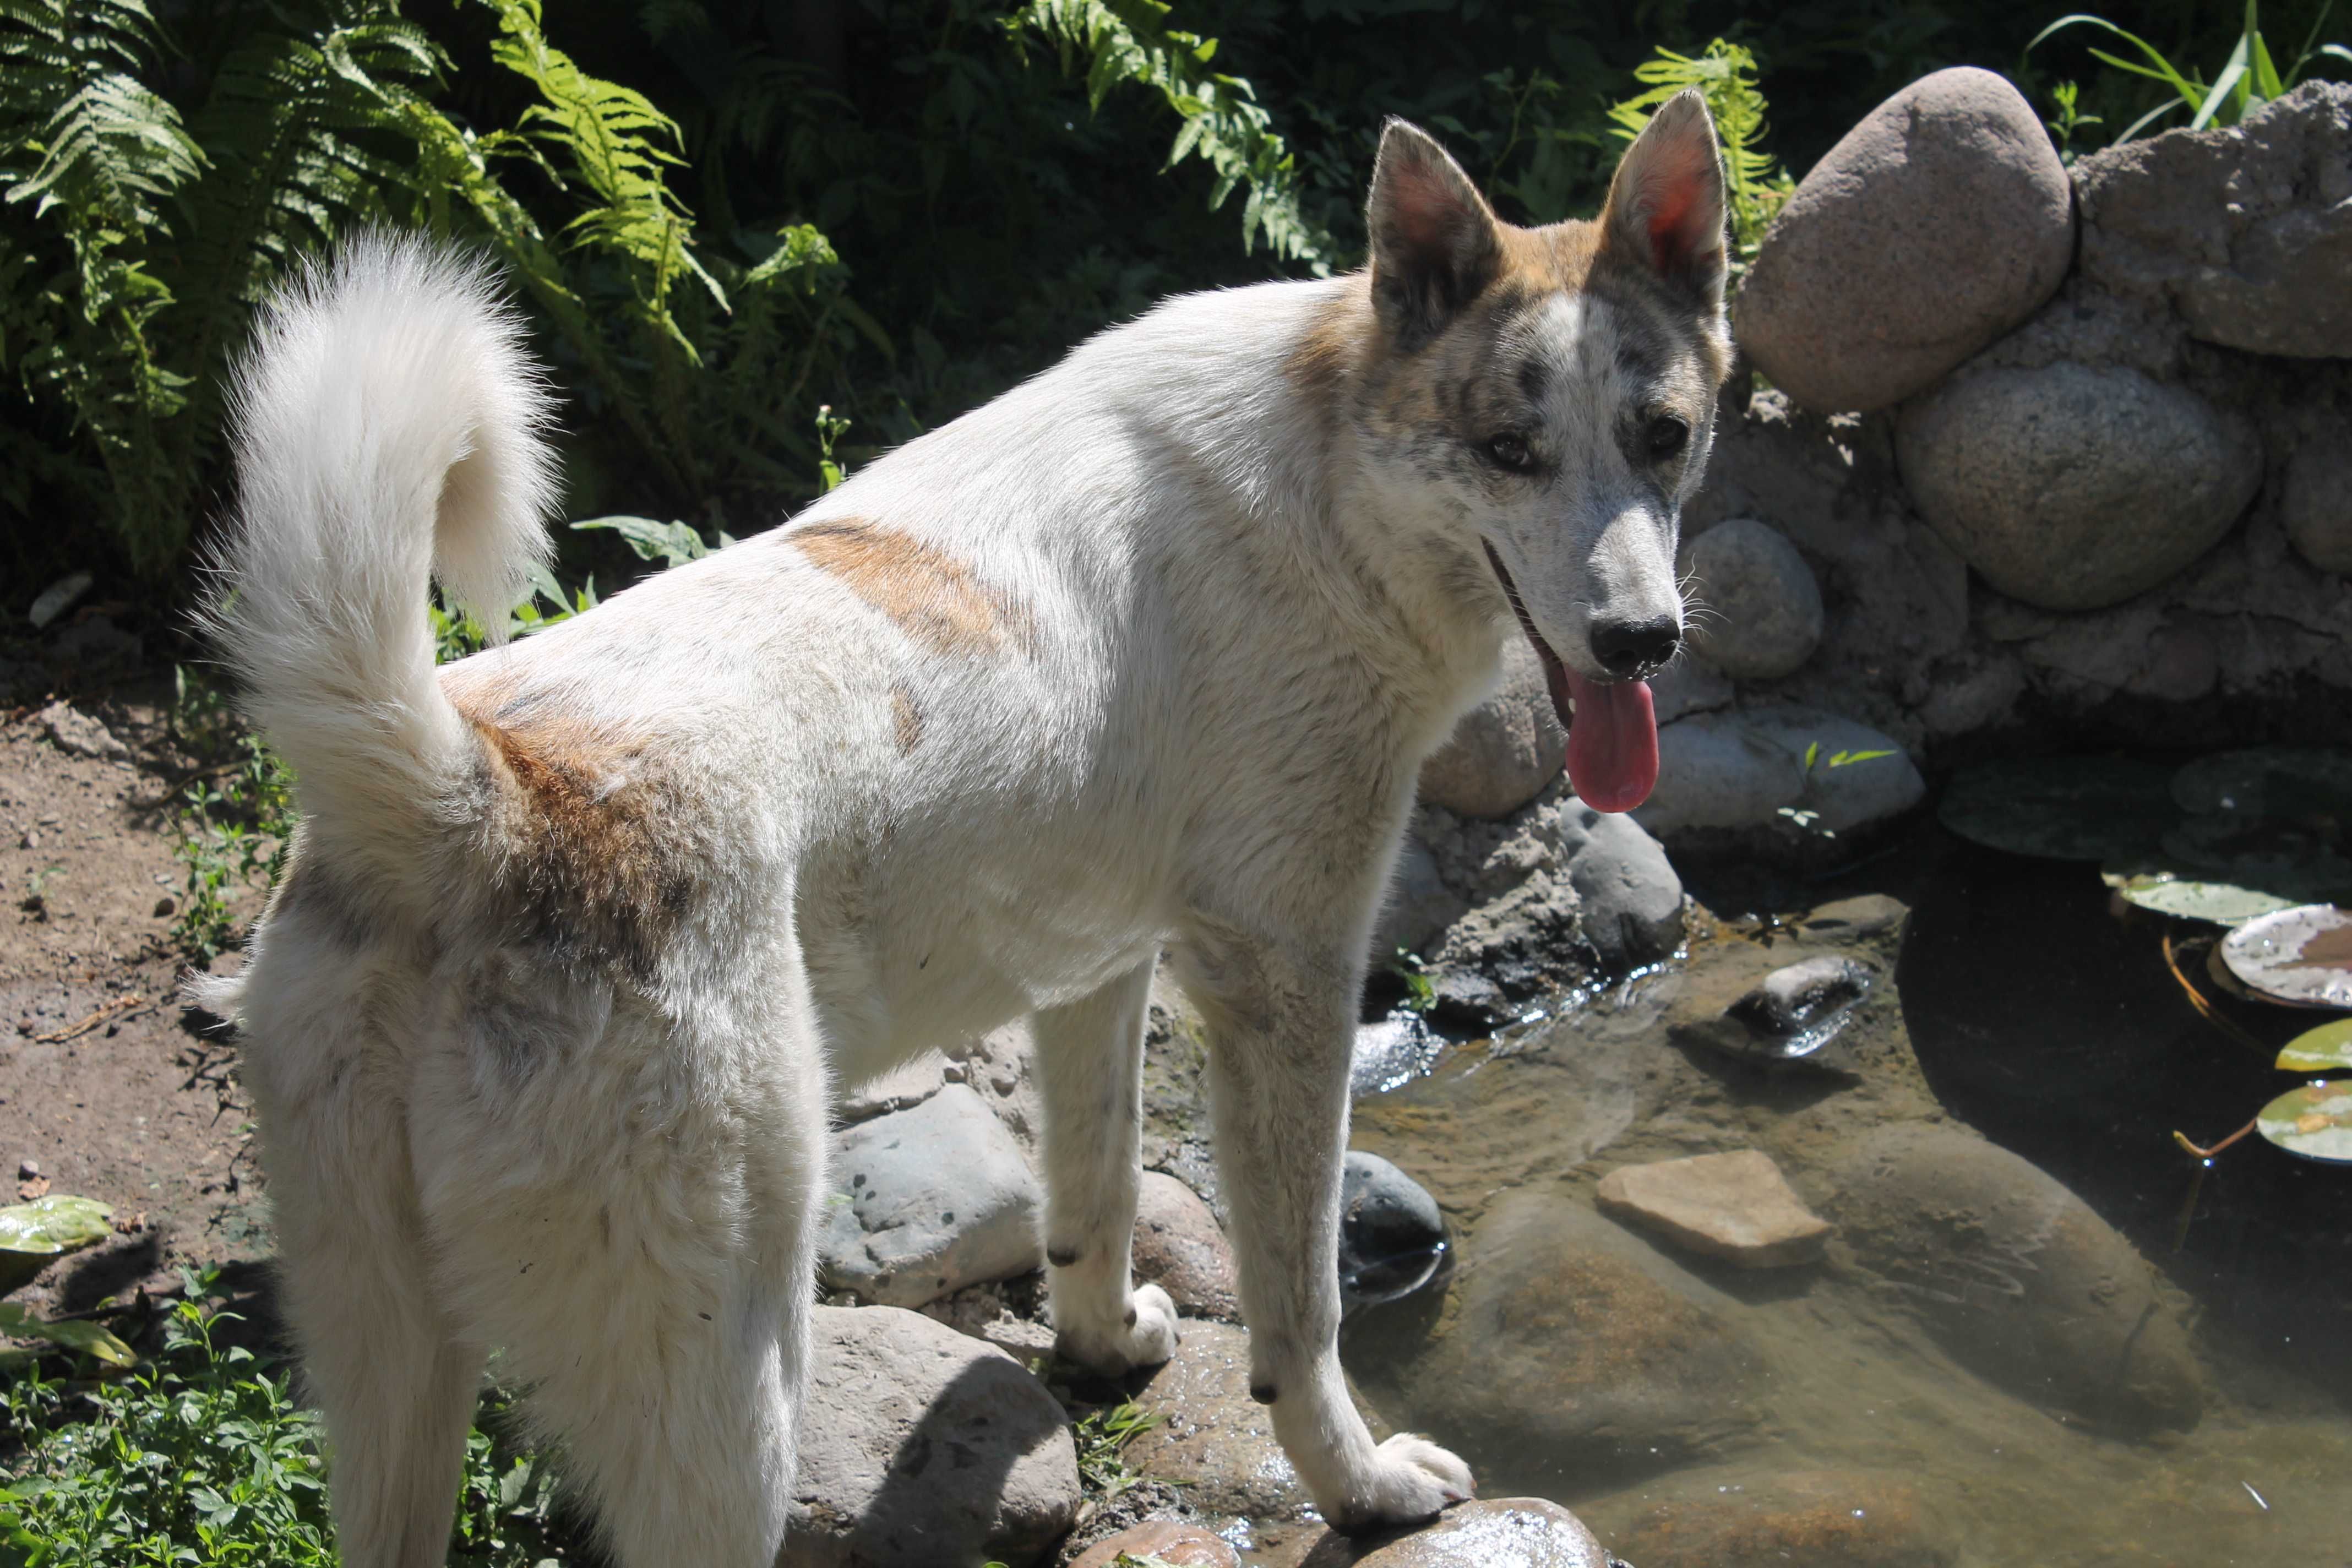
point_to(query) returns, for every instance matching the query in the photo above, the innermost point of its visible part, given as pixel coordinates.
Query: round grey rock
(2018, 1279)
(1505, 749)
(1745, 771)
(1938, 223)
(2317, 505)
(1392, 1233)
(1495, 1533)
(920, 1446)
(927, 1200)
(1629, 899)
(1766, 617)
(2074, 487)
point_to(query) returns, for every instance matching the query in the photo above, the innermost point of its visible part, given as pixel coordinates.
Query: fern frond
(1222, 122)
(1725, 73)
(99, 142)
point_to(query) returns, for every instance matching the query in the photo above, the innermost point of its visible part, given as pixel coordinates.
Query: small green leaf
(35, 1235)
(1812, 752)
(2327, 1049)
(88, 1338)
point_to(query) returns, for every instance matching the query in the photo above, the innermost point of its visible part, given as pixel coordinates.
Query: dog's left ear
(1665, 205)
(1433, 242)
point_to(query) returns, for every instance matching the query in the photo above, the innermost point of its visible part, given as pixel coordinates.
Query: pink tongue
(1613, 740)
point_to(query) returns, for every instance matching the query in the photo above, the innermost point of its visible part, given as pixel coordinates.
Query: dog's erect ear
(1434, 244)
(1665, 205)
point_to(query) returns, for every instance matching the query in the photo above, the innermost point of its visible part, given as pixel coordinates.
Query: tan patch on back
(929, 594)
(906, 719)
(591, 836)
(1335, 346)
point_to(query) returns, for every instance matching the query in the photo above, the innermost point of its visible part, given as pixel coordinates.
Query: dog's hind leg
(1090, 1058)
(626, 1204)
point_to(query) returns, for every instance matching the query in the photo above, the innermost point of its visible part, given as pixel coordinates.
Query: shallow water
(1885, 1407)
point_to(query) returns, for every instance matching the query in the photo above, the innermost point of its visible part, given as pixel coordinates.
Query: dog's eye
(1664, 436)
(1510, 452)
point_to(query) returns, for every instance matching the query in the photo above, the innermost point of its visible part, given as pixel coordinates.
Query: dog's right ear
(1433, 239)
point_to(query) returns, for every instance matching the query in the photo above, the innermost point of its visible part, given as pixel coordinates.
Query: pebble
(1940, 222)
(2072, 487)
(921, 1447)
(1735, 1205)
(932, 1198)
(80, 733)
(1505, 749)
(1763, 609)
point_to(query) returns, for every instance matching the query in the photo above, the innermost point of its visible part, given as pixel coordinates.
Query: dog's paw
(1146, 1338)
(1413, 1481)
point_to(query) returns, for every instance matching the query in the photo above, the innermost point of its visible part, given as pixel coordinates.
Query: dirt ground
(109, 1088)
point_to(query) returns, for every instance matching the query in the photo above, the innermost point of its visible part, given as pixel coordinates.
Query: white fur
(1230, 635)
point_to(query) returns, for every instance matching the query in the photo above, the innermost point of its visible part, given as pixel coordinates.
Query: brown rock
(1505, 749)
(1177, 1545)
(1733, 1205)
(1179, 1247)
(1820, 1519)
(1505, 1532)
(1213, 1438)
(1938, 223)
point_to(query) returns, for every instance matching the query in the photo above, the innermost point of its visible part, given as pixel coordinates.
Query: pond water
(2041, 1332)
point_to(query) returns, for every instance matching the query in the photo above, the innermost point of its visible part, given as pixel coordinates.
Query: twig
(83, 1025)
(2205, 1008)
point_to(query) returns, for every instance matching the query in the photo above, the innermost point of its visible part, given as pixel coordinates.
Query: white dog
(580, 933)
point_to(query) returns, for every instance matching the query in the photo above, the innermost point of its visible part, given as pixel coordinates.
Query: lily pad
(2314, 1121)
(2172, 888)
(2299, 782)
(74, 1334)
(2327, 1049)
(2061, 809)
(2302, 956)
(2271, 854)
(35, 1235)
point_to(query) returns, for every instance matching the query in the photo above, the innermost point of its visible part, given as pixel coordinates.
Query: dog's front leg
(1282, 1024)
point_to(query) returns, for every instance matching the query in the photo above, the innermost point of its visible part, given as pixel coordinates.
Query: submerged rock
(1391, 1234)
(1735, 1205)
(932, 1198)
(1792, 1019)
(1817, 1519)
(1502, 1532)
(2018, 1279)
(921, 1447)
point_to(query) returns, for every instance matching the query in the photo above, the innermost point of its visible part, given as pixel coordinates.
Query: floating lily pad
(35, 1235)
(2327, 1049)
(2273, 853)
(2301, 956)
(2290, 781)
(18, 1323)
(2061, 809)
(2314, 1121)
(2172, 888)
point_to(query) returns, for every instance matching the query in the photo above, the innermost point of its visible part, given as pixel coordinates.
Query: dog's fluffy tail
(388, 429)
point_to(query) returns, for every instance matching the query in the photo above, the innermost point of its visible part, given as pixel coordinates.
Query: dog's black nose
(1631, 649)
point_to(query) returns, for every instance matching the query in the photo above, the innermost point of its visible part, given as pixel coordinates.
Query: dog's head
(1545, 398)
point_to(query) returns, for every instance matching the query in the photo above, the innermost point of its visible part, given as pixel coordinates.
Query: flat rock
(1162, 1541)
(1744, 772)
(2018, 1279)
(1505, 749)
(1214, 1439)
(2317, 505)
(2244, 233)
(1564, 1350)
(931, 1199)
(1735, 1205)
(1180, 1248)
(80, 733)
(1819, 1519)
(921, 1448)
(2071, 486)
(1500, 1533)
(1764, 614)
(1935, 225)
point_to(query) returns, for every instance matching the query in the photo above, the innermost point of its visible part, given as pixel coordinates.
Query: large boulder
(1505, 749)
(1746, 773)
(2244, 233)
(1762, 608)
(928, 1200)
(921, 1448)
(2018, 1279)
(1938, 223)
(2071, 487)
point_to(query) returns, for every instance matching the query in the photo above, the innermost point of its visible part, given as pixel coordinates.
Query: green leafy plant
(237, 819)
(1102, 1437)
(1725, 72)
(2248, 78)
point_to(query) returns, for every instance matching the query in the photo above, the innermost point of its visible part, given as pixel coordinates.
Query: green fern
(1223, 123)
(1726, 73)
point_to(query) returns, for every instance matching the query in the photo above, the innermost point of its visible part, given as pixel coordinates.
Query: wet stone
(1820, 1519)
(1179, 1247)
(1503, 1533)
(1161, 1542)
(1212, 1438)
(1736, 1206)
(1392, 1234)
(1791, 1020)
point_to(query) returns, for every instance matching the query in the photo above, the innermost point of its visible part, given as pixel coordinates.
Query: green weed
(236, 819)
(1102, 1435)
(2248, 78)
(1725, 73)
